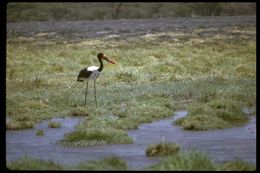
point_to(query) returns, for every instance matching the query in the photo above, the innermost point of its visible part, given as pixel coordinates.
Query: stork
(92, 73)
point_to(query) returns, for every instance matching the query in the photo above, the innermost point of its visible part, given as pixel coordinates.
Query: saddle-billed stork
(92, 73)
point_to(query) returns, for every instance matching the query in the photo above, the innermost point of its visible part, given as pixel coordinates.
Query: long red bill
(109, 60)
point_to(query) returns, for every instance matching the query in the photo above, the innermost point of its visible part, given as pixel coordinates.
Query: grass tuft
(53, 124)
(162, 149)
(92, 137)
(215, 114)
(185, 161)
(193, 160)
(39, 132)
(237, 165)
(18, 125)
(29, 163)
(79, 111)
(202, 122)
(109, 163)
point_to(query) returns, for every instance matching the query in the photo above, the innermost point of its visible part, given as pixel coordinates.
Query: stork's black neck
(101, 65)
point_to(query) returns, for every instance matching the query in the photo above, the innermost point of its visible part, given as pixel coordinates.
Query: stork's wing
(83, 75)
(92, 68)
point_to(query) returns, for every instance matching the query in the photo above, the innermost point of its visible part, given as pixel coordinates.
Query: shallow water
(222, 145)
(123, 28)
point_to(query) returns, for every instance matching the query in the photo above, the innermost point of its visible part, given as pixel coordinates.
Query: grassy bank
(182, 161)
(29, 163)
(215, 114)
(154, 74)
(197, 161)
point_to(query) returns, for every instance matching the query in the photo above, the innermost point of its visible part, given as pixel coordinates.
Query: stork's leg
(86, 93)
(95, 92)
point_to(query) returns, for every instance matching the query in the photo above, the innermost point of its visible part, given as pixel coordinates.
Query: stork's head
(102, 56)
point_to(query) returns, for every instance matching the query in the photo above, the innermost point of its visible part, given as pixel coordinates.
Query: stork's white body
(92, 68)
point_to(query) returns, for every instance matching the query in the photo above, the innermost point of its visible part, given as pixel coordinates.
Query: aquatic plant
(237, 165)
(96, 137)
(192, 160)
(162, 149)
(16, 125)
(39, 132)
(53, 124)
(108, 163)
(79, 111)
(215, 114)
(185, 161)
(29, 163)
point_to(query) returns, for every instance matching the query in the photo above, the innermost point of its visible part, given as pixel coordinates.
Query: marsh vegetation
(156, 73)
(196, 161)
(39, 132)
(183, 161)
(162, 149)
(151, 76)
(53, 124)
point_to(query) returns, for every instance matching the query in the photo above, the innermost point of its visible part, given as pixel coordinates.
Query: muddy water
(222, 145)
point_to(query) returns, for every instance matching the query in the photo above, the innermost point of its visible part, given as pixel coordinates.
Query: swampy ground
(219, 147)
(204, 65)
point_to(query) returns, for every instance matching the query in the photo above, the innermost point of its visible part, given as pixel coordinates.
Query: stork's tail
(79, 80)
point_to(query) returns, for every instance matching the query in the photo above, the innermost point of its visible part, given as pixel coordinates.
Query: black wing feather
(84, 74)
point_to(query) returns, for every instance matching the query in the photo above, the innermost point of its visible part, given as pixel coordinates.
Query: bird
(92, 73)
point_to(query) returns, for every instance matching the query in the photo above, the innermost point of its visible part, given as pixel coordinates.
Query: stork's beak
(109, 60)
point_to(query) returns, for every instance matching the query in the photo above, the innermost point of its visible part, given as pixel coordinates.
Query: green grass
(53, 124)
(214, 114)
(162, 149)
(197, 161)
(97, 136)
(18, 125)
(188, 161)
(149, 82)
(125, 77)
(237, 165)
(39, 132)
(29, 163)
(109, 163)
(191, 160)
(79, 111)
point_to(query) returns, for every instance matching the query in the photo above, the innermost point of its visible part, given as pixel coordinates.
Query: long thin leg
(86, 93)
(95, 91)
